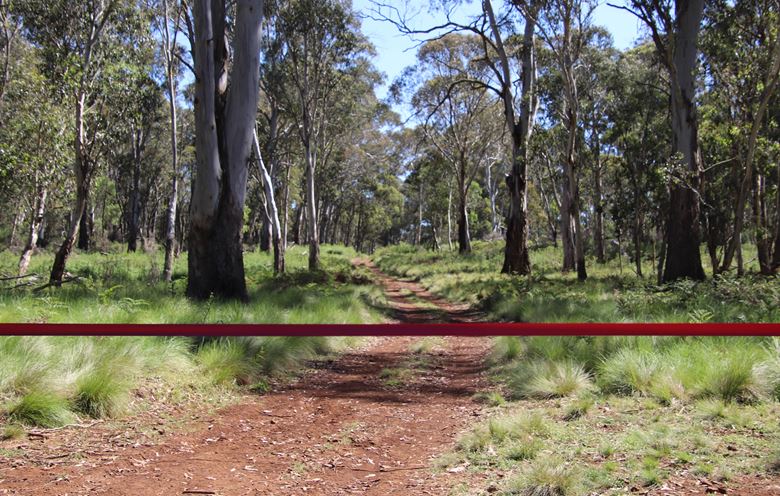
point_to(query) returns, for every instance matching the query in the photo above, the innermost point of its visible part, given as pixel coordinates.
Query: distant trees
(527, 123)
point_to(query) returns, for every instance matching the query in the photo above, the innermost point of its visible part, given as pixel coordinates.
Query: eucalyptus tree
(519, 111)
(597, 96)
(84, 48)
(226, 53)
(321, 40)
(674, 27)
(168, 24)
(638, 134)
(565, 27)
(10, 27)
(33, 144)
(745, 77)
(457, 119)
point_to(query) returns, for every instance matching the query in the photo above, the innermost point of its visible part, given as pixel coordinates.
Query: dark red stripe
(476, 329)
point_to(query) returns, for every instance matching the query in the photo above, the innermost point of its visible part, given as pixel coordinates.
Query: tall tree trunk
(449, 217)
(311, 202)
(418, 234)
(170, 228)
(18, 219)
(224, 125)
(83, 172)
(683, 258)
(763, 240)
(134, 218)
(598, 208)
(272, 211)
(464, 238)
(567, 224)
(35, 225)
(638, 243)
(516, 257)
(87, 227)
(770, 84)
(776, 254)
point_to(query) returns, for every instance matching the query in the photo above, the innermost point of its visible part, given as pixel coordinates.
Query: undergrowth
(612, 293)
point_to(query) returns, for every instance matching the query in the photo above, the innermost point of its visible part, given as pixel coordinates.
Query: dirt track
(342, 429)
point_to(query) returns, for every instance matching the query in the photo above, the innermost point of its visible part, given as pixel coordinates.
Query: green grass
(48, 381)
(118, 287)
(609, 295)
(645, 409)
(42, 408)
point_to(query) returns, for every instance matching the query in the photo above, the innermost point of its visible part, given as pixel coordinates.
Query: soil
(411, 303)
(344, 428)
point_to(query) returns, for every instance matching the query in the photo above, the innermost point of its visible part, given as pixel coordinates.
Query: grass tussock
(547, 477)
(44, 409)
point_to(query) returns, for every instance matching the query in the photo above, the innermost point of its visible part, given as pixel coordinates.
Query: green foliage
(609, 295)
(548, 379)
(548, 476)
(40, 408)
(102, 392)
(115, 288)
(228, 361)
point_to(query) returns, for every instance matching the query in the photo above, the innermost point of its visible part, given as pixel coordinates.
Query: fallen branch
(14, 278)
(50, 284)
(197, 491)
(385, 470)
(42, 432)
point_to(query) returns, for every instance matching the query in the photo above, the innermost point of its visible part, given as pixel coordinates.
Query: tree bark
(598, 208)
(35, 224)
(567, 225)
(311, 202)
(273, 212)
(464, 238)
(516, 257)
(134, 211)
(170, 228)
(224, 125)
(83, 172)
(683, 258)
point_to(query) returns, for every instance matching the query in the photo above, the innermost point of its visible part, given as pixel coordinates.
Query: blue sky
(396, 51)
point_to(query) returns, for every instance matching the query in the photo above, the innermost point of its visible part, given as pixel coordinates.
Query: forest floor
(393, 417)
(370, 422)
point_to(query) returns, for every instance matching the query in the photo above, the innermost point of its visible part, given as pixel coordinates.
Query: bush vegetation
(612, 293)
(55, 380)
(660, 406)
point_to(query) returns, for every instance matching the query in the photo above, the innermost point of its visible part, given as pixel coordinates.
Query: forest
(260, 162)
(527, 129)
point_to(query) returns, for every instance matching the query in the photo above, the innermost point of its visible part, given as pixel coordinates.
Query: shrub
(227, 361)
(733, 379)
(101, 393)
(507, 348)
(579, 408)
(43, 409)
(628, 371)
(556, 379)
(548, 477)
